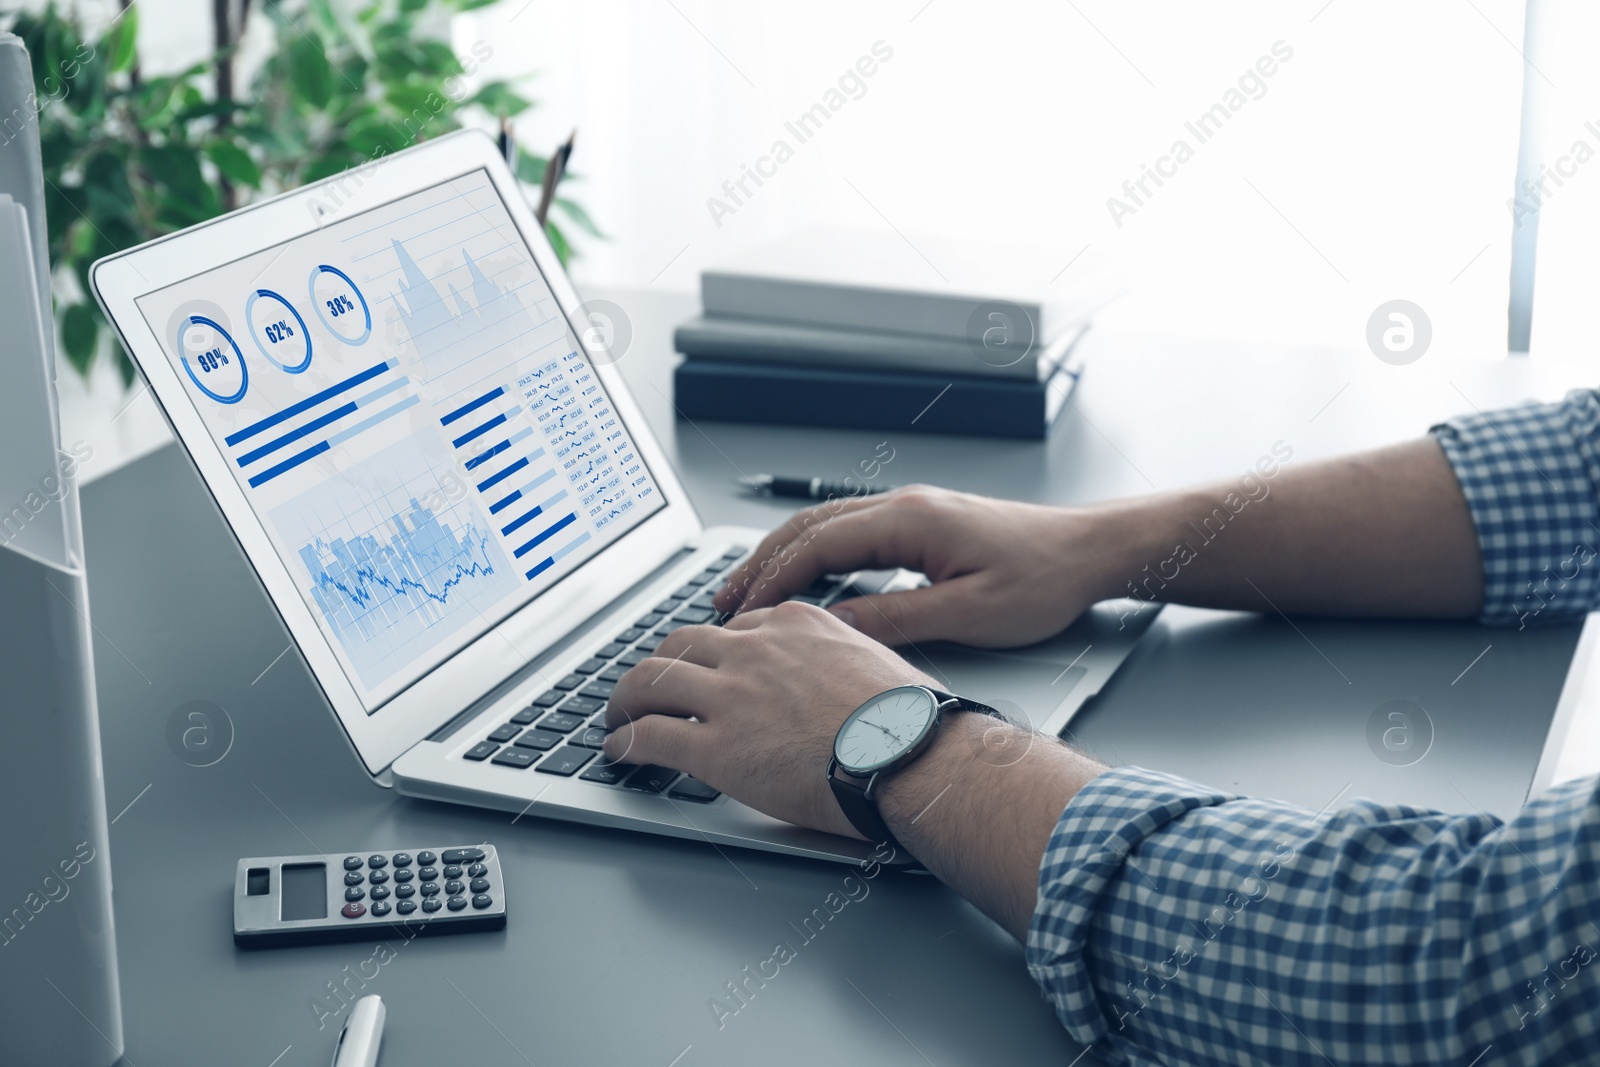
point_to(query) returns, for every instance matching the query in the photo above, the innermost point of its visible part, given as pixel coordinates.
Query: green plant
(128, 158)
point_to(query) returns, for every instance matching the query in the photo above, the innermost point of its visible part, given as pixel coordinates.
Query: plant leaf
(235, 163)
(310, 72)
(120, 44)
(580, 217)
(80, 330)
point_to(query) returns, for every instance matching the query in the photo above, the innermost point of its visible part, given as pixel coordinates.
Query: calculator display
(304, 891)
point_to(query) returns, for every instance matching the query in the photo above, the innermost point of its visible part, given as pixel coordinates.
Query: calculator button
(735, 553)
(566, 761)
(353, 911)
(515, 757)
(505, 733)
(354, 893)
(431, 905)
(539, 740)
(352, 863)
(481, 751)
(666, 607)
(453, 887)
(378, 877)
(380, 892)
(607, 773)
(646, 621)
(402, 859)
(561, 722)
(428, 874)
(480, 885)
(650, 643)
(611, 650)
(614, 673)
(406, 907)
(482, 900)
(598, 690)
(633, 633)
(634, 658)
(693, 789)
(381, 908)
(353, 878)
(376, 860)
(404, 874)
(430, 889)
(462, 855)
(457, 903)
(590, 665)
(426, 858)
(477, 870)
(571, 681)
(526, 715)
(549, 698)
(405, 892)
(710, 574)
(651, 779)
(452, 870)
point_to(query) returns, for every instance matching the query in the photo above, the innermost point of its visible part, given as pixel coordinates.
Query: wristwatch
(883, 736)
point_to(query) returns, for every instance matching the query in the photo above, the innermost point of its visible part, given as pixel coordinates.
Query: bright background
(1379, 163)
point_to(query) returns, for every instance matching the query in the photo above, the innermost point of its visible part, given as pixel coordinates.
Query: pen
(805, 488)
(554, 171)
(363, 1030)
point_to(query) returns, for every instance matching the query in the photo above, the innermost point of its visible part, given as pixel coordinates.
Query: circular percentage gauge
(340, 305)
(275, 334)
(217, 355)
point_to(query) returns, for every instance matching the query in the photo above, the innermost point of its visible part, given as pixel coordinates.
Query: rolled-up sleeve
(1531, 476)
(1179, 925)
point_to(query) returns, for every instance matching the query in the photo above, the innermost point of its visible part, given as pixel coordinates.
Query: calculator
(293, 900)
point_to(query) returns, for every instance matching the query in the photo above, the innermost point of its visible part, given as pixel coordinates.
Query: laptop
(428, 454)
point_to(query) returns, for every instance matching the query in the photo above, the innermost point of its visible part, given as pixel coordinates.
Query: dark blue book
(810, 395)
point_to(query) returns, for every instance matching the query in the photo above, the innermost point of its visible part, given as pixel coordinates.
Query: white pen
(363, 1030)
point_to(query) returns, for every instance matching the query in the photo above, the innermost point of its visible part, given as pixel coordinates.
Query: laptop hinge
(560, 648)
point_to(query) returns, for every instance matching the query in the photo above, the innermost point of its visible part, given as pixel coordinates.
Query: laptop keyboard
(563, 729)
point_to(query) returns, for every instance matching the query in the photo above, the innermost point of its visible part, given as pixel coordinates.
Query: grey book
(752, 340)
(905, 284)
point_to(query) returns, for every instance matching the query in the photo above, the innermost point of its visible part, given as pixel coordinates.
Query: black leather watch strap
(860, 806)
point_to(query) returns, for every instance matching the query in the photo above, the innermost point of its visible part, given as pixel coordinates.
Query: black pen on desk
(805, 488)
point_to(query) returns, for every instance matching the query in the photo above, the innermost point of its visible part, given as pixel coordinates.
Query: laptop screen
(413, 420)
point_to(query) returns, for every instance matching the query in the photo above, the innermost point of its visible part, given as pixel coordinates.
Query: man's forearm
(1386, 533)
(978, 808)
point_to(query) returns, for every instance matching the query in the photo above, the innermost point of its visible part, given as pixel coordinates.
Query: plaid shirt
(1181, 925)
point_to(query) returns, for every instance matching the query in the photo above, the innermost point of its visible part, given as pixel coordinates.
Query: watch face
(884, 728)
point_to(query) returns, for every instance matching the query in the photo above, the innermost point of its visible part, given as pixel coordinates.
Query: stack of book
(843, 329)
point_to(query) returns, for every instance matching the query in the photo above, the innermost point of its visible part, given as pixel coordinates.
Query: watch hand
(891, 733)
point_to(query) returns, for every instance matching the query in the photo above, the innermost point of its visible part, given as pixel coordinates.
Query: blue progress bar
(471, 435)
(289, 464)
(494, 479)
(560, 552)
(537, 482)
(483, 457)
(309, 402)
(542, 566)
(517, 524)
(551, 530)
(294, 435)
(469, 408)
(500, 505)
(382, 391)
(371, 421)
(558, 495)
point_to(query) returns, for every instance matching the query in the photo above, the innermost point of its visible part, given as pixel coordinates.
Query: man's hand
(1002, 573)
(768, 693)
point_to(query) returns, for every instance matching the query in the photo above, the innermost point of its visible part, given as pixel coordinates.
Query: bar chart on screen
(392, 563)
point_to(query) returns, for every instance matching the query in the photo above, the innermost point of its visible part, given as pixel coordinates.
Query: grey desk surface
(617, 942)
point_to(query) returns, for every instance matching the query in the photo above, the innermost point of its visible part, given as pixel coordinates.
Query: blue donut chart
(316, 304)
(255, 334)
(244, 370)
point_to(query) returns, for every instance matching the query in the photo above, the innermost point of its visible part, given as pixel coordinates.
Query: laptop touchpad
(1021, 686)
